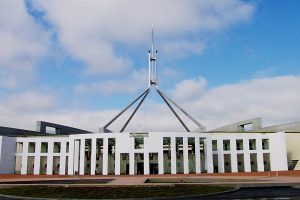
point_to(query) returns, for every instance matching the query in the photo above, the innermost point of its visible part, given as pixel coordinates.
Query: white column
(71, 157)
(131, 163)
(173, 155)
(161, 160)
(24, 158)
(50, 158)
(233, 155)
(105, 156)
(209, 155)
(117, 163)
(93, 157)
(260, 158)
(197, 155)
(37, 158)
(62, 159)
(146, 163)
(82, 157)
(247, 162)
(278, 153)
(185, 156)
(220, 156)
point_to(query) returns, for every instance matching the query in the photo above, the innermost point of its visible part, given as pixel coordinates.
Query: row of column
(37, 158)
(79, 158)
(246, 152)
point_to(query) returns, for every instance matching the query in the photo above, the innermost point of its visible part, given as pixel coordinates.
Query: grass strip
(109, 192)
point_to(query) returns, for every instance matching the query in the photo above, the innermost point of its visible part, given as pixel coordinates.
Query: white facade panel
(278, 153)
(82, 158)
(7, 154)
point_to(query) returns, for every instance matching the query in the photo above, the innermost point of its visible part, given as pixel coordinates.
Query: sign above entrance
(139, 134)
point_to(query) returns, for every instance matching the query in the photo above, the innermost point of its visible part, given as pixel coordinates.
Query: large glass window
(239, 145)
(57, 147)
(214, 145)
(31, 147)
(226, 145)
(265, 144)
(44, 147)
(252, 144)
(138, 142)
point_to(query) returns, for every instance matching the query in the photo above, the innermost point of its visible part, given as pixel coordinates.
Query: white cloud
(276, 100)
(182, 48)
(22, 44)
(130, 84)
(94, 30)
(273, 99)
(189, 89)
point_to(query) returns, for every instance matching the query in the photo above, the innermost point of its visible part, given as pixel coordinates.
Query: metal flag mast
(152, 63)
(152, 76)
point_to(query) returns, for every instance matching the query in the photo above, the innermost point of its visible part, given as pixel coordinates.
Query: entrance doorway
(153, 168)
(139, 163)
(140, 168)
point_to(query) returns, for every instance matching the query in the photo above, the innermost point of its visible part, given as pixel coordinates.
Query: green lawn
(108, 192)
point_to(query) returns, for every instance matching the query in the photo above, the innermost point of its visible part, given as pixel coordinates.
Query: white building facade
(143, 153)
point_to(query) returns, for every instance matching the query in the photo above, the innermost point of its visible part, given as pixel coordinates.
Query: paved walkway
(241, 179)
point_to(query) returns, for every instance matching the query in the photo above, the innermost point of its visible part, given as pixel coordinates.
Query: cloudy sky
(79, 62)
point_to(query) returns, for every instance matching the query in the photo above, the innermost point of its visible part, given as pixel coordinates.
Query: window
(44, 147)
(31, 147)
(214, 145)
(265, 144)
(252, 144)
(67, 147)
(226, 145)
(239, 144)
(19, 147)
(246, 127)
(57, 146)
(139, 143)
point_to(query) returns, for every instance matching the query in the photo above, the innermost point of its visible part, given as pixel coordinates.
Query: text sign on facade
(139, 134)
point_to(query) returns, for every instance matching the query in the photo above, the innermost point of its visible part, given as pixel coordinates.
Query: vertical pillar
(71, 157)
(146, 163)
(197, 155)
(24, 158)
(117, 163)
(173, 155)
(185, 155)
(93, 157)
(209, 155)
(161, 160)
(233, 155)
(62, 159)
(82, 157)
(37, 158)
(247, 162)
(220, 156)
(131, 163)
(105, 156)
(50, 158)
(260, 158)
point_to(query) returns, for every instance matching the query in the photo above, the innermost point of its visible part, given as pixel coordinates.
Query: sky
(80, 62)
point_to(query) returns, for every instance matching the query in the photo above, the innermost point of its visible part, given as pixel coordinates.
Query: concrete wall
(293, 148)
(289, 127)
(253, 157)
(7, 155)
(236, 127)
(278, 153)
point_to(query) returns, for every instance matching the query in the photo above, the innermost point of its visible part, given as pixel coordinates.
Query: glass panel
(167, 154)
(191, 155)
(179, 155)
